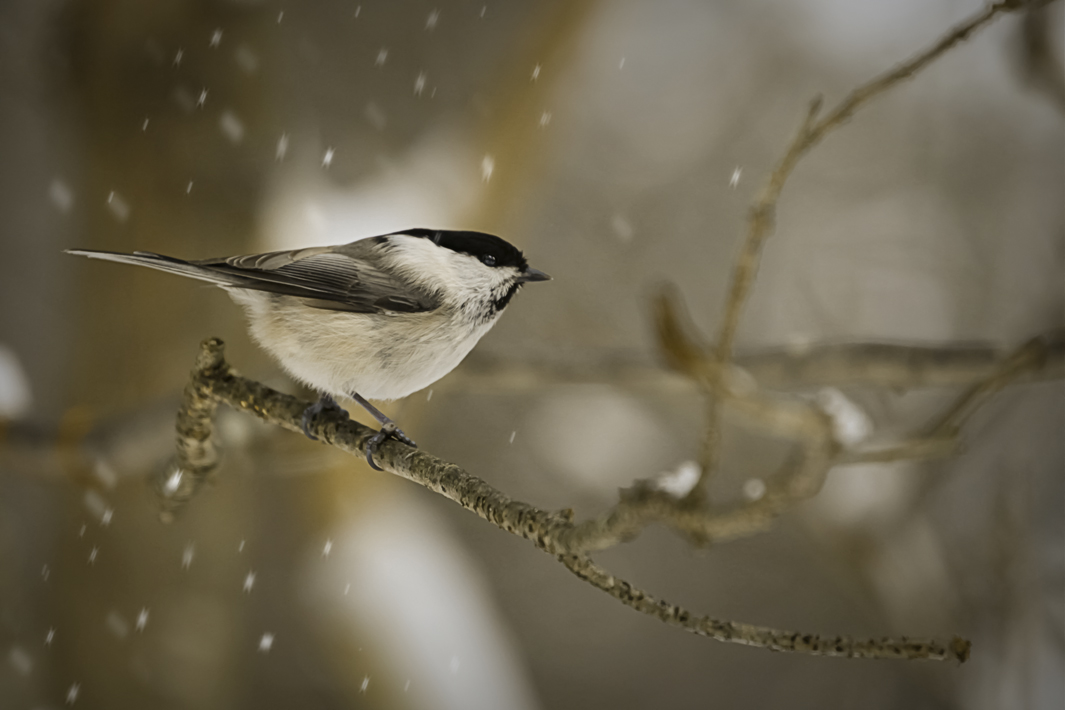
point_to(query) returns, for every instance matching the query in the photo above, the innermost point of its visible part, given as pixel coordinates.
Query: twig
(213, 382)
(812, 130)
(761, 636)
(898, 366)
(1029, 356)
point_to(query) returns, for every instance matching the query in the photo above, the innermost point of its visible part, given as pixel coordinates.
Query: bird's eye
(488, 260)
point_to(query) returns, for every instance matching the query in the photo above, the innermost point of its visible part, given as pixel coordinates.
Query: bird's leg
(324, 402)
(388, 428)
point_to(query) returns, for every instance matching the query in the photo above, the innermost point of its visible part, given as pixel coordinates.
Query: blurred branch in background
(1039, 66)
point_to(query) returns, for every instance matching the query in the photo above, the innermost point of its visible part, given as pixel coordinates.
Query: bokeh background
(618, 143)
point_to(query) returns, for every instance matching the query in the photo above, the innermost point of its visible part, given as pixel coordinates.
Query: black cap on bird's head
(489, 249)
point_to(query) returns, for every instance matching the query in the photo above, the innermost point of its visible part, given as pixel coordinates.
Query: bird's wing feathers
(325, 278)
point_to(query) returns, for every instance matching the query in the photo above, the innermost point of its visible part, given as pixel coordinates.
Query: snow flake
(142, 619)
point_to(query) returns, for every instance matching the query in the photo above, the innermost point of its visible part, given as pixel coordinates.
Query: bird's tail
(160, 262)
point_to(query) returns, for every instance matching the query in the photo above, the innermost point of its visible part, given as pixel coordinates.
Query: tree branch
(214, 382)
(762, 215)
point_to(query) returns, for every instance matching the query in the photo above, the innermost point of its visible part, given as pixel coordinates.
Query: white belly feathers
(378, 356)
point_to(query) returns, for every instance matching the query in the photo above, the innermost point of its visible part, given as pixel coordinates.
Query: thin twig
(1029, 356)
(897, 366)
(761, 636)
(762, 214)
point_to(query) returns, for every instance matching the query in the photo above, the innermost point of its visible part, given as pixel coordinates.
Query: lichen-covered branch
(761, 636)
(214, 382)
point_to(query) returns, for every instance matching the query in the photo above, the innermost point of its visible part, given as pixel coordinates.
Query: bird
(378, 318)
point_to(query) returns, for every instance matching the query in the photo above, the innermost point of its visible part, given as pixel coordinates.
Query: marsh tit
(378, 318)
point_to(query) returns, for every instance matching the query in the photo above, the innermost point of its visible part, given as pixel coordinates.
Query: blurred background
(618, 143)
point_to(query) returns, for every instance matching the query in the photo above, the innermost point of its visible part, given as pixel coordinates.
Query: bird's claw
(388, 429)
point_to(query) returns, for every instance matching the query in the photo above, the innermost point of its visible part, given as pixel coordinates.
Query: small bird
(378, 318)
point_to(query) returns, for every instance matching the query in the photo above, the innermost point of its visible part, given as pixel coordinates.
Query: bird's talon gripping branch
(388, 429)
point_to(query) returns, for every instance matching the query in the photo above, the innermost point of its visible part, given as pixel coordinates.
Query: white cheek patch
(460, 279)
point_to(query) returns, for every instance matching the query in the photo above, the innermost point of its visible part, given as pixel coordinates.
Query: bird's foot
(324, 402)
(388, 429)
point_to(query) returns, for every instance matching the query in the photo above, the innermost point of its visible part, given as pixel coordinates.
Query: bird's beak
(531, 274)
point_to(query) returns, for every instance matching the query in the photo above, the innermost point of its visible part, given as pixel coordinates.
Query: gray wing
(325, 278)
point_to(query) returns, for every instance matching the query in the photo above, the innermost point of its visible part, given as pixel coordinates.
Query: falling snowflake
(72, 694)
(118, 206)
(231, 126)
(430, 22)
(512, 435)
(20, 660)
(327, 159)
(187, 555)
(488, 166)
(61, 195)
(754, 488)
(382, 57)
(142, 619)
(49, 637)
(365, 684)
(328, 547)
(117, 624)
(203, 98)
(266, 643)
(735, 179)
(249, 581)
(535, 73)
(172, 482)
(282, 147)
(419, 84)
(92, 554)
(247, 59)
(545, 118)
(216, 38)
